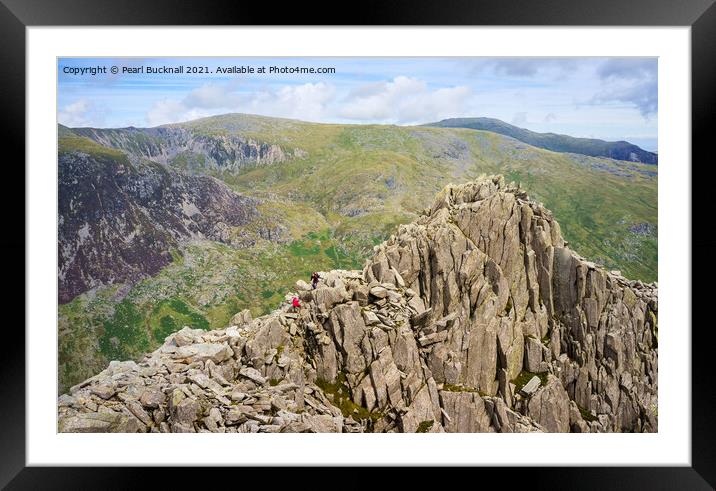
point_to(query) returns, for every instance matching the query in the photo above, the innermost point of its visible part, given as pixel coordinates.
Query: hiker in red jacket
(295, 304)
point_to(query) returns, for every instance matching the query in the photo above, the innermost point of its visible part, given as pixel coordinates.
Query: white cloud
(528, 67)
(628, 68)
(211, 96)
(308, 101)
(631, 81)
(165, 111)
(403, 100)
(644, 96)
(81, 112)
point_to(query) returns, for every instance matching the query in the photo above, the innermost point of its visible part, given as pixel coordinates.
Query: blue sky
(607, 98)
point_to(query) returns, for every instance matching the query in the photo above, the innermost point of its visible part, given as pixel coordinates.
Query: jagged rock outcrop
(476, 317)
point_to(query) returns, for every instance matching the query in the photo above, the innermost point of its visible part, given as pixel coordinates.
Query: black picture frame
(700, 15)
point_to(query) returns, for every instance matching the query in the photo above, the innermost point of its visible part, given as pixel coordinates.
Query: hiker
(295, 304)
(314, 280)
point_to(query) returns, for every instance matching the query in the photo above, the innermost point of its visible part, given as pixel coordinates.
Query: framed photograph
(450, 231)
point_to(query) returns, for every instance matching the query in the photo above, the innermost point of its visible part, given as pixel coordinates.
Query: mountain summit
(476, 317)
(620, 150)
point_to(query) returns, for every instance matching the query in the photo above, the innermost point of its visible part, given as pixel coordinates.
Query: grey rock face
(119, 220)
(549, 406)
(533, 355)
(165, 143)
(432, 336)
(464, 412)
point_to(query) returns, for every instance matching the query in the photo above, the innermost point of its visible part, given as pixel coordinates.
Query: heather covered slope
(475, 317)
(119, 221)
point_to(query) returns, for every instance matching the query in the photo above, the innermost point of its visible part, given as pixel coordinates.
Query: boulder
(253, 375)
(152, 398)
(302, 286)
(241, 318)
(360, 294)
(106, 422)
(531, 386)
(370, 318)
(204, 351)
(187, 411)
(103, 391)
(379, 292)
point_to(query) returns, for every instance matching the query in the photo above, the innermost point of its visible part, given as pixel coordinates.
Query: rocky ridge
(164, 144)
(477, 317)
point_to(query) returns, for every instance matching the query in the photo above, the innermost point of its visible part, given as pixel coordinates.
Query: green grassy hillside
(382, 175)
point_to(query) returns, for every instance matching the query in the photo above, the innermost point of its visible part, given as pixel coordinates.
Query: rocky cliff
(118, 220)
(190, 149)
(477, 317)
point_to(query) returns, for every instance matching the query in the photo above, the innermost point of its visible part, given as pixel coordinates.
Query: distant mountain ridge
(620, 150)
(165, 144)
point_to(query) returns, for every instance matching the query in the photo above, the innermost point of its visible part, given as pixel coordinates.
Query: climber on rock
(295, 304)
(314, 279)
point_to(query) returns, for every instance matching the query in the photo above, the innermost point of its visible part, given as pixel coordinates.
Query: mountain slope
(620, 150)
(176, 144)
(366, 173)
(474, 318)
(119, 221)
